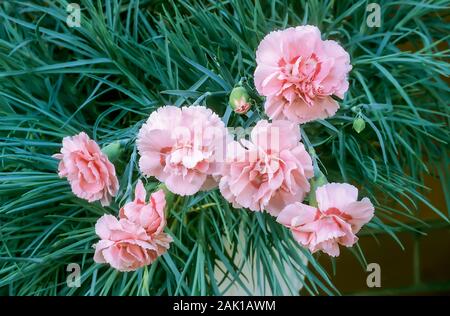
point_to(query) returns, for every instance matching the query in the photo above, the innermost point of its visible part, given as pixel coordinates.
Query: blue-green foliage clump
(129, 57)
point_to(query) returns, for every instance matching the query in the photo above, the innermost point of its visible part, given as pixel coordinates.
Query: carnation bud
(113, 150)
(316, 182)
(359, 124)
(240, 100)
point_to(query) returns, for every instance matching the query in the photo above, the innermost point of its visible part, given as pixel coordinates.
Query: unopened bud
(359, 124)
(316, 182)
(113, 150)
(239, 100)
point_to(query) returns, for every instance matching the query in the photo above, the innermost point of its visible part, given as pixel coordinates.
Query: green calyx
(113, 150)
(316, 182)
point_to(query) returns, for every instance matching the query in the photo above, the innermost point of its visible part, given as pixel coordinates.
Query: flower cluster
(189, 149)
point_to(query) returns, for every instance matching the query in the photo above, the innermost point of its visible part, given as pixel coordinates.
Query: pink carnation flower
(124, 245)
(137, 238)
(182, 147)
(148, 215)
(269, 171)
(90, 174)
(336, 220)
(298, 72)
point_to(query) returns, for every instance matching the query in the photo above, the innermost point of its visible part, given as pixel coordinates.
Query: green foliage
(132, 56)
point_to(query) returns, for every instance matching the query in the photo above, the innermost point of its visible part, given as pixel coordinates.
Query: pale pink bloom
(268, 172)
(90, 174)
(124, 245)
(149, 215)
(137, 238)
(336, 220)
(182, 147)
(278, 107)
(298, 72)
